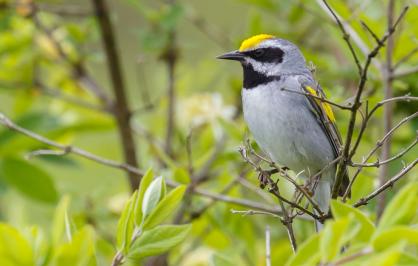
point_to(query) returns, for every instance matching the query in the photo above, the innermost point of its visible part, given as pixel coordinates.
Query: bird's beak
(234, 55)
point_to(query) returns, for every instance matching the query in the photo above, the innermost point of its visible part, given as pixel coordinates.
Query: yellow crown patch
(254, 41)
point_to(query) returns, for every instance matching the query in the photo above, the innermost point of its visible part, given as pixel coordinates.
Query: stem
(122, 112)
(387, 109)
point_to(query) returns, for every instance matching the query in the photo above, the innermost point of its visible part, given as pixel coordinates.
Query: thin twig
(405, 58)
(254, 212)
(377, 146)
(393, 158)
(68, 148)
(369, 115)
(268, 249)
(342, 167)
(405, 72)
(389, 183)
(352, 257)
(318, 98)
(346, 37)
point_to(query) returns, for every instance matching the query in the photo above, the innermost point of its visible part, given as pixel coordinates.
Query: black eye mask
(266, 55)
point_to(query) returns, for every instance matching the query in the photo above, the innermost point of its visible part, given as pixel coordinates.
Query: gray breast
(284, 127)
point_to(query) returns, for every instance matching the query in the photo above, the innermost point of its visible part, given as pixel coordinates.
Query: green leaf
(398, 211)
(14, 248)
(28, 179)
(80, 251)
(342, 210)
(389, 257)
(408, 259)
(333, 238)
(165, 207)
(307, 253)
(394, 235)
(152, 196)
(158, 240)
(181, 175)
(145, 182)
(59, 223)
(126, 224)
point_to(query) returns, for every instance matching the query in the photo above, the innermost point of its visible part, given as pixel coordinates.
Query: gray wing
(323, 112)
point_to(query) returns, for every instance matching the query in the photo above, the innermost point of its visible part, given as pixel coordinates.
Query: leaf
(145, 181)
(152, 196)
(342, 210)
(389, 257)
(14, 248)
(165, 207)
(80, 251)
(181, 175)
(332, 239)
(29, 179)
(59, 221)
(158, 240)
(401, 209)
(395, 235)
(307, 253)
(125, 226)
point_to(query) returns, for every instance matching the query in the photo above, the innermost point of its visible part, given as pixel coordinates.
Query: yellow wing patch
(327, 108)
(254, 41)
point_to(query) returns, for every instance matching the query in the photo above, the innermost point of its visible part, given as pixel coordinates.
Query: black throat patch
(253, 78)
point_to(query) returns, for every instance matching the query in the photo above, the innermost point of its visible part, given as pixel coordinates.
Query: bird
(293, 128)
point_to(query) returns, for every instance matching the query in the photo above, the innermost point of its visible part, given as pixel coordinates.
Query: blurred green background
(38, 89)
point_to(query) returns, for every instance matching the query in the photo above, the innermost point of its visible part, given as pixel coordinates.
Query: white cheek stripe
(269, 69)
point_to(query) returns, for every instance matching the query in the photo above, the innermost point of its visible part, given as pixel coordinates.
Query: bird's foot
(263, 178)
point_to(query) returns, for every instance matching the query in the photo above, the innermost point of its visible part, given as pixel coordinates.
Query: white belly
(284, 128)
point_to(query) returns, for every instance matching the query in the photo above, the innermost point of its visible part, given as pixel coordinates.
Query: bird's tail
(322, 196)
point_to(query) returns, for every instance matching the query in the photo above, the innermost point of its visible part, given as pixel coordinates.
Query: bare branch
(318, 98)
(67, 149)
(389, 183)
(346, 36)
(378, 145)
(122, 112)
(405, 98)
(405, 72)
(406, 58)
(268, 249)
(254, 212)
(393, 158)
(356, 105)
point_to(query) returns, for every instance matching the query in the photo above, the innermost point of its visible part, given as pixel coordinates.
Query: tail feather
(322, 196)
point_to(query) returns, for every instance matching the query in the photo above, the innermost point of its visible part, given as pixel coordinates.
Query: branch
(405, 98)
(344, 107)
(67, 149)
(389, 183)
(78, 70)
(356, 105)
(268, 248)
(405, 72)
(254, 212)
(378, 145)
(387, 109)
(170, 56)
(122, 112)
(406, 58)
(393, 158)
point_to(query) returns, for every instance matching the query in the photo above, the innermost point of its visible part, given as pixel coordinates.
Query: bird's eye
(259, 52)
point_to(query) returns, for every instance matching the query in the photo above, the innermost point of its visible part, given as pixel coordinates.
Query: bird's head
(268, 56)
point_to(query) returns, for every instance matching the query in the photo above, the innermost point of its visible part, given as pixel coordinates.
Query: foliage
(392, 241)
(51, 66)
